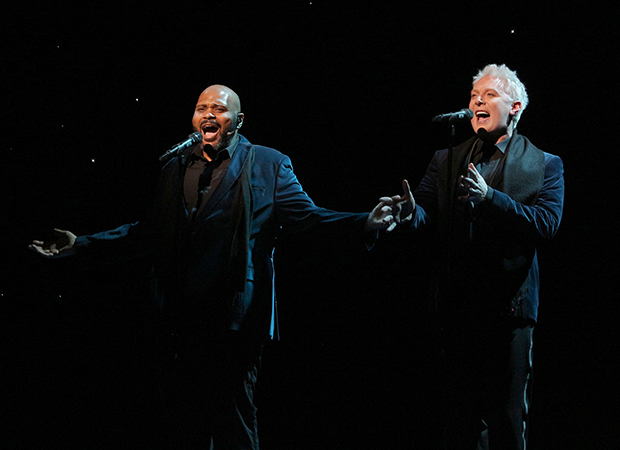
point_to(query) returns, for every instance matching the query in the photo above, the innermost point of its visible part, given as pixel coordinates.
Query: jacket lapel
(524, 172)
(459, 154)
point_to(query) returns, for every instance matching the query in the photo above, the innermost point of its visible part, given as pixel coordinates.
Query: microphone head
(195, 137)
(462, 115)
(467, 113)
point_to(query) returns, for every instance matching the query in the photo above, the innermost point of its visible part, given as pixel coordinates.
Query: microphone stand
(451, 193)
(180, 155)
(451, 119)
(171, 328)
(449, 189)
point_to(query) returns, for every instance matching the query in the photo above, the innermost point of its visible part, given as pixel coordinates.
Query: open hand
(475, 185)
(59, 247)
(392, 211)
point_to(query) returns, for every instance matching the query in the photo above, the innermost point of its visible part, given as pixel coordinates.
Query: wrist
(489, 194)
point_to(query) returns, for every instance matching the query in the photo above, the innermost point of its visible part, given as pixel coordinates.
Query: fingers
(391, 200)
(381, 209)
(42, 251)
(380, 217)
(474, 179)
(475, 185)
(469, 184)
(407, 189)
(472, 170)
(37, 246)
(393, 209)
(473, 175)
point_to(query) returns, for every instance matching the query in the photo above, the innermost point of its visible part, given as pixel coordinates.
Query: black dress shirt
(489, 161)
(203, 176)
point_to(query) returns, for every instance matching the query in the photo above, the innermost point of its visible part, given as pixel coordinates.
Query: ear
(516, 107)
(240, 117)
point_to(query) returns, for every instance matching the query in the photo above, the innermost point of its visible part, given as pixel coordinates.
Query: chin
(213, 142)
(219, 145)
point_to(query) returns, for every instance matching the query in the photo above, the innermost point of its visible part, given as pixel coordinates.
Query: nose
(479, 100)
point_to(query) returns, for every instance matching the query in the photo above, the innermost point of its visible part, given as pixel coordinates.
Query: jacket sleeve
(124, 243)
(543, 218)
(296, 211)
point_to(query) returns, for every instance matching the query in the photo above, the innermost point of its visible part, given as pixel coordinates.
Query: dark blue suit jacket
(188, 270)
(490, 250)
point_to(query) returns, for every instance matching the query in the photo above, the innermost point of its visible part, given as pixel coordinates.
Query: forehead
(211, 95)
(218, 95)
(489, 82)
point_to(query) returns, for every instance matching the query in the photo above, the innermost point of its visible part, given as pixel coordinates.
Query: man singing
(211, 234)
(504, 198)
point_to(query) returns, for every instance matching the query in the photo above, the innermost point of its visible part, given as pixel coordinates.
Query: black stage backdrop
(92, 94)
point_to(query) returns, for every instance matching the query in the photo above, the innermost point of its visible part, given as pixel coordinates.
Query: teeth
(482, 114)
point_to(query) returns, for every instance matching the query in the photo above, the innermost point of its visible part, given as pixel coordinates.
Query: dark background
(92, 94)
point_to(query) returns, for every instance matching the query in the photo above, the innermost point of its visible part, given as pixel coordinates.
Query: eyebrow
(485, 90)
(212, 104)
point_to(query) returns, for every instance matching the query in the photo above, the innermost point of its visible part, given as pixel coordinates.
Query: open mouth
(209, 129)
(482, 114)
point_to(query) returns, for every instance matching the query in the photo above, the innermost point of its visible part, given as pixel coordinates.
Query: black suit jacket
(487, 261)
(190, 275)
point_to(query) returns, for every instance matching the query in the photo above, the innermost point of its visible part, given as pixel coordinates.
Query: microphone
(462, 115)
(192, 139)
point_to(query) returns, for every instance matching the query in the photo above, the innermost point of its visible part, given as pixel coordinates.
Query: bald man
(218, 117)
(219, 207)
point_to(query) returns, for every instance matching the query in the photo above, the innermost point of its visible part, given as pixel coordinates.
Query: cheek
(225, 123)
(504, 117)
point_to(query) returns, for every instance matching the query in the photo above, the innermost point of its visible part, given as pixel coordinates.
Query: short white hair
(514, 88)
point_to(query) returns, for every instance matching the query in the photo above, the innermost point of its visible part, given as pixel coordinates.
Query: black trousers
(208, 386)
(488, 382)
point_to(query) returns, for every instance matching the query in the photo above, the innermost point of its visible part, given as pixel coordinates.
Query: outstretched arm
(62, 246)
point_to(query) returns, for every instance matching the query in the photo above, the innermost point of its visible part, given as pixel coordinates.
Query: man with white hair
(504, 198)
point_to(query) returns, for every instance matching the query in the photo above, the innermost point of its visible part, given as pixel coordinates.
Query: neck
(503, 137)
(494, 138)
(210, 152)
